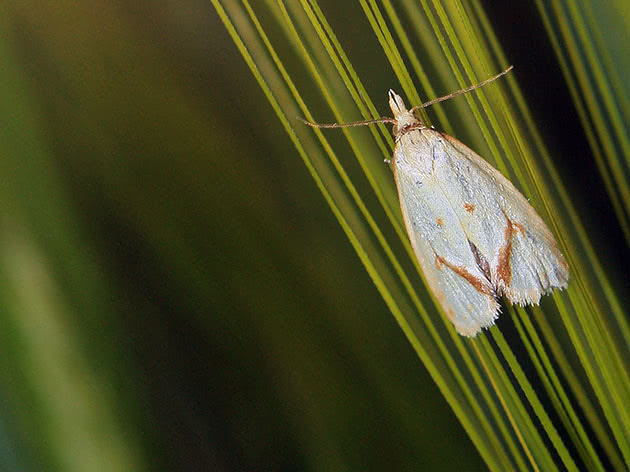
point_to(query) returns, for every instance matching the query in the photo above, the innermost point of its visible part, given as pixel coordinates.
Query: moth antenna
(347, 125)
(462, 91)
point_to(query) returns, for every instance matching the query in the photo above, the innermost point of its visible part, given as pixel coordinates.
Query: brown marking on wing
(462, 272)
(564, 263)
(438, 262)
(439, 221)
(469, 207)
(518, 227)
(481, 261)
(504, 268)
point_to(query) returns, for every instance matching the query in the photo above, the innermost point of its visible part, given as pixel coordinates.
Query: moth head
(404, 118)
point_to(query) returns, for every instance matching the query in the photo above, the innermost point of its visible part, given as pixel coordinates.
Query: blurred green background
(175, 294)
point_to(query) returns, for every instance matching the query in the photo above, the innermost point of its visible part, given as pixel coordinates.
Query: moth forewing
(525, 259)
(448, 264)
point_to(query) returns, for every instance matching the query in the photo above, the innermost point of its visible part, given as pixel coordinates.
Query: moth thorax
(404, 126)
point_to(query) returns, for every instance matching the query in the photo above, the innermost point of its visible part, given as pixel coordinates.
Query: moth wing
(442, 249)
(523, 257)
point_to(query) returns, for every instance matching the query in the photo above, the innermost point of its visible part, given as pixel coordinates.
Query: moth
(475, 236)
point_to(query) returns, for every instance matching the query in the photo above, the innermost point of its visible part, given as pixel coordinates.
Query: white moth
(475, 236)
